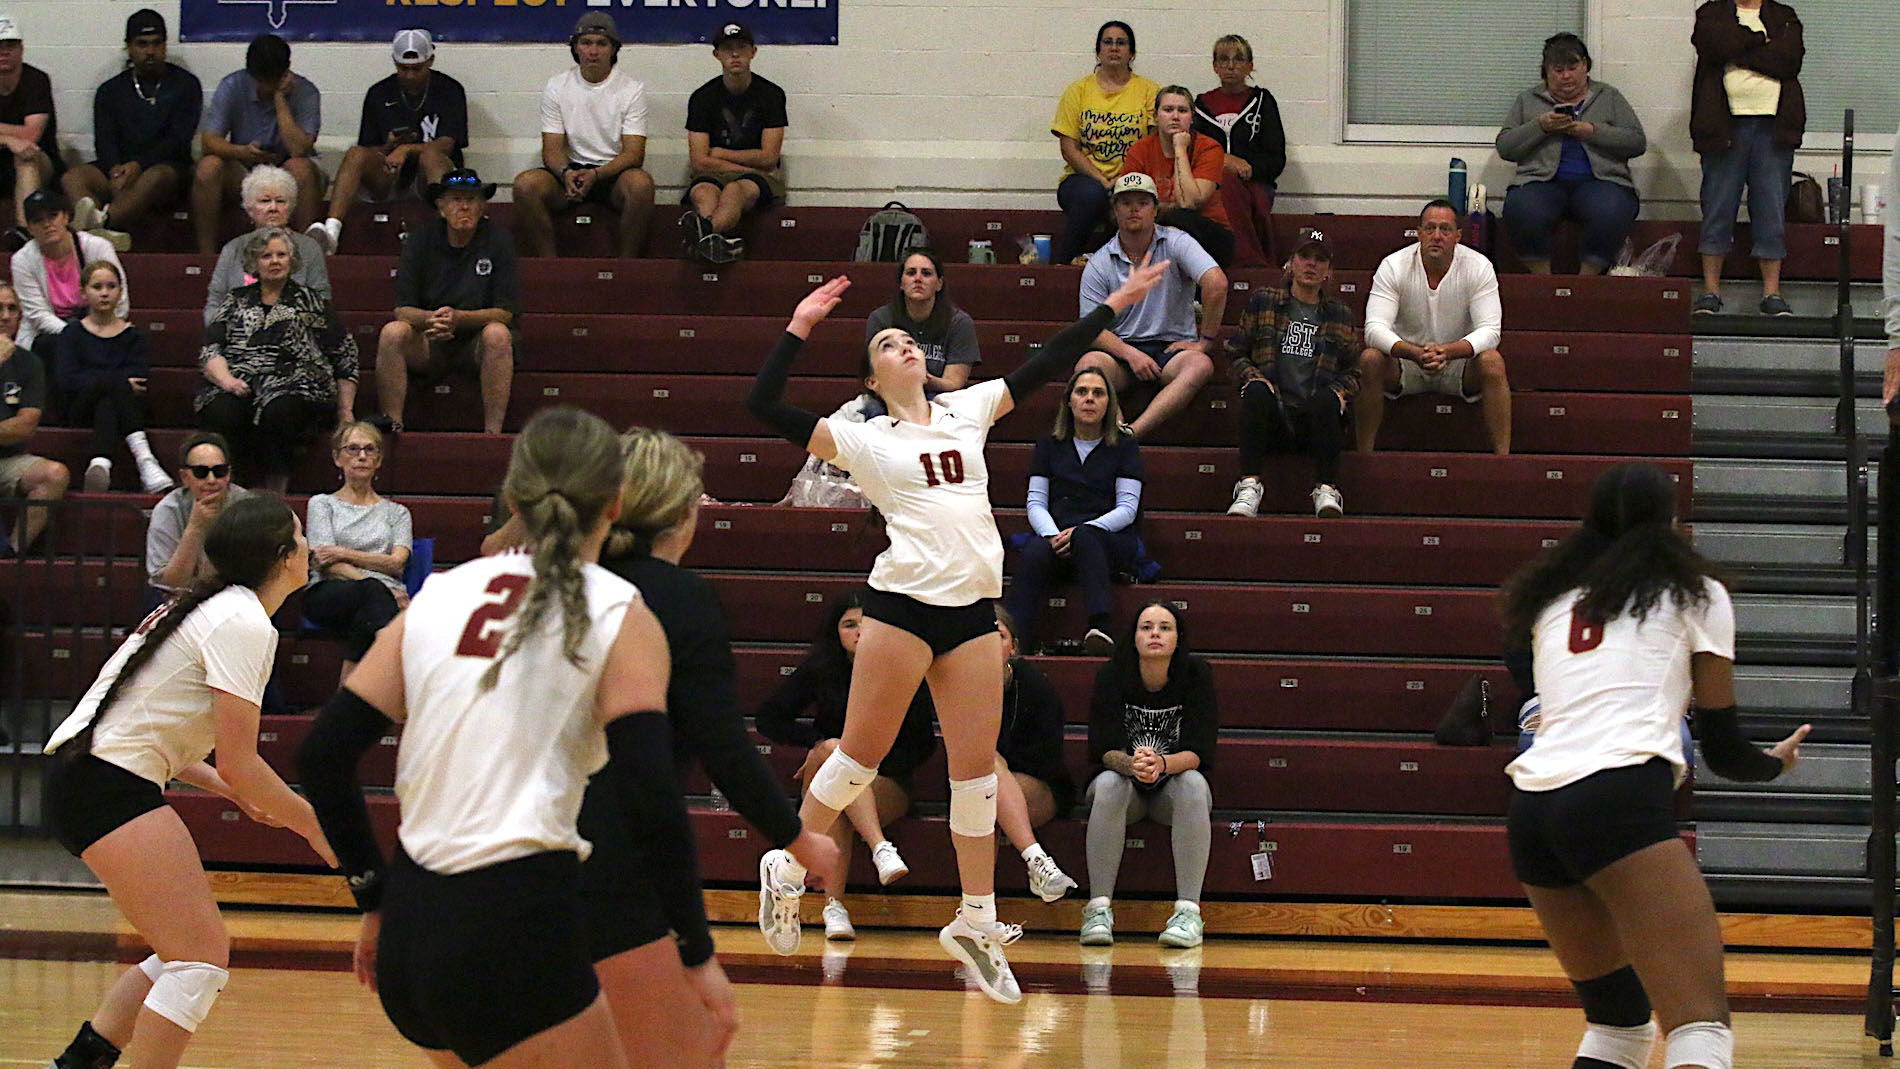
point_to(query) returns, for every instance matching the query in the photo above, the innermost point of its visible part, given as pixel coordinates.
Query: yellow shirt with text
(1105, 123)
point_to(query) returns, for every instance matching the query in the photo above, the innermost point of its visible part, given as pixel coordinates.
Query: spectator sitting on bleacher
(1153, 725)
(265, 113)
(29, 126)
(735, 127)
(22, 401)
(1099, 116)
(1245, 119)
(1033, 785)
(593, 143)
(279, 364)
(359, 546)
(268, 194)
(1433, 320)
(1570, 165)
(1747, 116)
(414, 128)
(102, 367)
(1295, 365)
(457, 289)
(922, 307)
(821, 683)
(1084, 500)
(143, 119)
(1156, 342)
(175, 537)
(46, 272)
(1187, 167)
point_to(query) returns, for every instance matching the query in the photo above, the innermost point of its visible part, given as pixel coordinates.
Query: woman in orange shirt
(1186, 167)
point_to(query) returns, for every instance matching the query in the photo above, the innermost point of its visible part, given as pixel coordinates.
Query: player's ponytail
(563, 475)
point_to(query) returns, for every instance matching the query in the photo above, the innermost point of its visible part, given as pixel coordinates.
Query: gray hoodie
(1619, 139)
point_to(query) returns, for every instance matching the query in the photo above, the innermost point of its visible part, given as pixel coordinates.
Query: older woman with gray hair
(279, 364)
(269, 194)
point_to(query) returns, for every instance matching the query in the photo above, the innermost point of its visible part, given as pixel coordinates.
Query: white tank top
(488, 776)
(160, 723)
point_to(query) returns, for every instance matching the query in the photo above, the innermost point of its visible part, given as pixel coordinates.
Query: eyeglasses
(208, 471)
(1111, 42)
(361, 449)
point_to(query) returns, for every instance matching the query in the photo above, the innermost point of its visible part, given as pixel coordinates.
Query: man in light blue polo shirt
(1156, 343)
(265, 113)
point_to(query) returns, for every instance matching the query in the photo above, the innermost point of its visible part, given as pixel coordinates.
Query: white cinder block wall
(948, 103)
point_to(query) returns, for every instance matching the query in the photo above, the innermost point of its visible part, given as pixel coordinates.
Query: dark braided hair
(246, 543)
(1626, 557)
(562, 476)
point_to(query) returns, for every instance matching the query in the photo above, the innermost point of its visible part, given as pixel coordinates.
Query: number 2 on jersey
(482, 636)
(952, 462)
(1584, 636)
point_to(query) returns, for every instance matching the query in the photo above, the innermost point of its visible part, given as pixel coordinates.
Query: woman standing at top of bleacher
(929, 615)
(1626, 625)
(1100, 115)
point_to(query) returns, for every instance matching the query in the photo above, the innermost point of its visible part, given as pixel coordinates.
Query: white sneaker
(980, 949)
(98, 476)
(1328, 503)
(838, 921)
(1246, 498)
(154, 480)
(1047, 881)
(86, 214)
(890, 867)
(778, 904)
(1098, 924)
(326, 233)
(1098, 643)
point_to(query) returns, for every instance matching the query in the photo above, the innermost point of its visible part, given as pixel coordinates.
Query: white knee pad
(184, 992)
(152, 967)
(1626, 1047)
(1704, 1043)
(973, 806)
(840, 780)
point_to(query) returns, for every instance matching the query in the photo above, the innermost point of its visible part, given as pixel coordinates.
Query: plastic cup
(1872, 202)
(1043, 247)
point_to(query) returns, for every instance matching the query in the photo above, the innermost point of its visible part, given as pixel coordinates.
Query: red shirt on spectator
(1206, 159)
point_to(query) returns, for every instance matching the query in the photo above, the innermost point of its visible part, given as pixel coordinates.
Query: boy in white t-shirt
(593, 143)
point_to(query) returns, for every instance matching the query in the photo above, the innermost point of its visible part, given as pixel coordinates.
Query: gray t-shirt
(956, 344)
(377, 528)
(169, 517)
(1298, 354)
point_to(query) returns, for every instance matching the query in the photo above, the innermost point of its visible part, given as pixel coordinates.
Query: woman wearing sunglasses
(175, 539)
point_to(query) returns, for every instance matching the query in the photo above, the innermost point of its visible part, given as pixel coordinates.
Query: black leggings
(274, 440)
(1211, 235)
(113, 409)
(1268, 427)
(353, 608)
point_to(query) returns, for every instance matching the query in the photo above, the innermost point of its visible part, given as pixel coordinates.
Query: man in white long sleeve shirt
(1433, 321)
(1890, 278)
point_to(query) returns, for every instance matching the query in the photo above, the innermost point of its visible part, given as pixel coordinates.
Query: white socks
(980, 910)
(1034, 853)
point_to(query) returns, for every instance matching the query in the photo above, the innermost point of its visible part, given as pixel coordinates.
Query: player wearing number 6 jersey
(1626, 624)
(929, 615)
(515, 678)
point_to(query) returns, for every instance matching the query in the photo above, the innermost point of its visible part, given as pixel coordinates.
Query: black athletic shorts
(89, 798)
(1563, 837)
(943, 627)
(619, 905)
(477, 962)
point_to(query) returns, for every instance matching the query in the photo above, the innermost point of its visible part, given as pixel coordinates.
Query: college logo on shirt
(484, 267)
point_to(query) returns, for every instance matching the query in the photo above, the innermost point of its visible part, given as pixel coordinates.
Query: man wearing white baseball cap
(1155, 345)
(29, 128)
(414, 128)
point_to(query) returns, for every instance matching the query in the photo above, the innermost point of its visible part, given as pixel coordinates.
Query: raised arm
(1080, 336)
(767, 401)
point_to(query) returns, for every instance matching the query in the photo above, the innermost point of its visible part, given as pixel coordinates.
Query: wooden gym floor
(891, 999)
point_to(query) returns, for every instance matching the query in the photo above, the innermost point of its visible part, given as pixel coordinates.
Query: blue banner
(773, 22)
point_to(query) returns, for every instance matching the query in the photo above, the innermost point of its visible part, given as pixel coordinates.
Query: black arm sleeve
(326, 767)
(1729, 754)
(1060, 351)
(640, 756)
(778, 716)
(767, 402)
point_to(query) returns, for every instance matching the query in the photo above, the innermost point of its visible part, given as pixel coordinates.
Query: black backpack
(890, 234)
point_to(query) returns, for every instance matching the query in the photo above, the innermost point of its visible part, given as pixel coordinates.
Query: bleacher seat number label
(1243, 284)
(62, 655)
(1444, 410)
(1560, 291)
(194, 269)
(580, 332)
(1408, 766)
(1414, 684)
(1206, 469)
(1560, 350)
(1276, 762)
(1181, 605)
(1302, 607)
(1012, 339)
(1555, 475)
(722, 525)
(1548, 543)
(737, 833)
(1312, 539)
(1349, 287)
(662, 393)
(992, 225)
(1401, 848)
(748, 458)
(814, 279)
(787, 224)
(1421, 610)
(1438, 473)
(1558, 410)
(267, 736)
(159, 328)
(1027, 280)
(299, 658)
(1136, 844)
(550, 391)
(1672, 351)
(1429, 540)
(583, 220)
(1193, 536)
(1289, 683)
(443, 389)
(713, 276)
(1058, 603)
(814, 598)
(688, 332)
(840, 528)
(1671, 413)
(230, 816)
(1217, 403)
(380, 217)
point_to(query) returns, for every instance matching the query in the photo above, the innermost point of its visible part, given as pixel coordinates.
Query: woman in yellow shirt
(1099, 116)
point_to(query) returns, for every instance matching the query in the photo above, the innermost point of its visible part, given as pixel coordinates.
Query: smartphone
(1565, 109)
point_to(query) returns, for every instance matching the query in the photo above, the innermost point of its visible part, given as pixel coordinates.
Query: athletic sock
(790, 871)
(88, 1050)
(980, 910)
(1034, 853)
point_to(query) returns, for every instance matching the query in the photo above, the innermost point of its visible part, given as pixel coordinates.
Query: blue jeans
(1604, 209)
(1755, 161)
(1084, 200)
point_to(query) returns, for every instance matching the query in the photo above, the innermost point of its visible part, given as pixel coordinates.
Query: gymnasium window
(1850, 64)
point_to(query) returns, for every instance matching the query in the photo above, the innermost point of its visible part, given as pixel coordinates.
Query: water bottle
(1455, 190)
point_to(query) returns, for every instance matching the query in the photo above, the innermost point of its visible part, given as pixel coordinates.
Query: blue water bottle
(1455, 190)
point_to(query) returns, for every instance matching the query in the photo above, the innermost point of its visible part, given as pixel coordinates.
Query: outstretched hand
(1141, 278)
(1788, 750)
(818, 304)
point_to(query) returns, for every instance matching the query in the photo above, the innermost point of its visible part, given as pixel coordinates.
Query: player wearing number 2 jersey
(928, 616)
(515, 677)
(1626, 624)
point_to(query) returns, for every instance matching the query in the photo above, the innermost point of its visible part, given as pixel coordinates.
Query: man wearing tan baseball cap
(29, 128)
